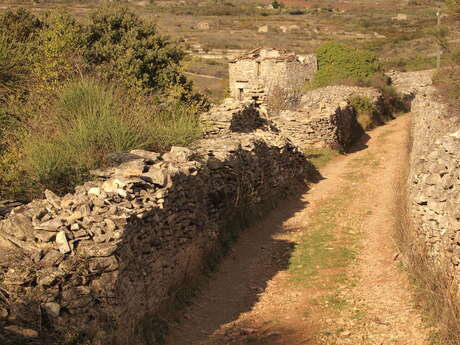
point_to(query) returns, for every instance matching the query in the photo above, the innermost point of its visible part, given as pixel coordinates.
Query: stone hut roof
(267, 54)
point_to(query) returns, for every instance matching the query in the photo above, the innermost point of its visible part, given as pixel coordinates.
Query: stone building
(257, 73)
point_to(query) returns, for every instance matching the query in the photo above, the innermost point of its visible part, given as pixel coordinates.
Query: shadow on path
(255, 258)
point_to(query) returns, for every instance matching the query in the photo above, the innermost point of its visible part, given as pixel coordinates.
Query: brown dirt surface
(320, 269)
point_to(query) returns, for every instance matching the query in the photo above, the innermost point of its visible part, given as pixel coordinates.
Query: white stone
(122, 193)
(94, 191)
(62, 243)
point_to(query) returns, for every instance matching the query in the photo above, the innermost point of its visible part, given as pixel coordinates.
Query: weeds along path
(321, 268)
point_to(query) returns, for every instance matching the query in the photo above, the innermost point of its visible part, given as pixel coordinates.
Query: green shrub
(276, 4)
(121, 45)
(365, 111)
(296, 12)
(175, 124)
(57, 129)
(338, 63)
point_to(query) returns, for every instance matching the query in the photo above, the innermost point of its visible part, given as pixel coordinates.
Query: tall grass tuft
(91, 120)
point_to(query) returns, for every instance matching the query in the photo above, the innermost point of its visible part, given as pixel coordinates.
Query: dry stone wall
(123, 245)
(333, 127)
(434, 180)
(325, 117)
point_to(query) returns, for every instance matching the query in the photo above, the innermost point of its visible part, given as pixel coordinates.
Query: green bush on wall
(338, 63)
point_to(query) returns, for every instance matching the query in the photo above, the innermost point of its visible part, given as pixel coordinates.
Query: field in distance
(214, 31)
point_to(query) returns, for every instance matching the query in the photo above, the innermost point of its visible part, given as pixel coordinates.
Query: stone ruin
(318, 118)
(259, 72)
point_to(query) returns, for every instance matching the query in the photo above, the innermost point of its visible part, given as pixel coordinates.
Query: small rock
(52, 258)
(110, 225)
(52, 308)
(74, 217)
(103, 264)
(122, 193)
(133, 168)
(94, 191)
(117, 158)
(3, 313)
(61, 241)
(99, 250)
(67, 203)
(178, 154)
(25, 332)
(50, 225)
(48, 276)
(156, 176)
(53, 199)
(44, 236)
(149, 156)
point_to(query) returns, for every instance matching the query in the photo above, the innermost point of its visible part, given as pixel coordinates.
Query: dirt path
(321, 268)
(203, 75)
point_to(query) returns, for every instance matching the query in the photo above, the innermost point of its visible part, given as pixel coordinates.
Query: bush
(365, 111)
(58, 49)
(296, 12)
(87, 125)
(339, 63)
(276, 4)
(120, 45)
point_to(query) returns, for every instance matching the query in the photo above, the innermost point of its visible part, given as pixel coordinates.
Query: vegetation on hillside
(339, 63)
(70, 93)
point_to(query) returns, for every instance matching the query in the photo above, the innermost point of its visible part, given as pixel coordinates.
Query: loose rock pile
(120, 246)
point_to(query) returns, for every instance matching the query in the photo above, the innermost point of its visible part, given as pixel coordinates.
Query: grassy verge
(326, 251)
(319, 157)
(326, 246)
